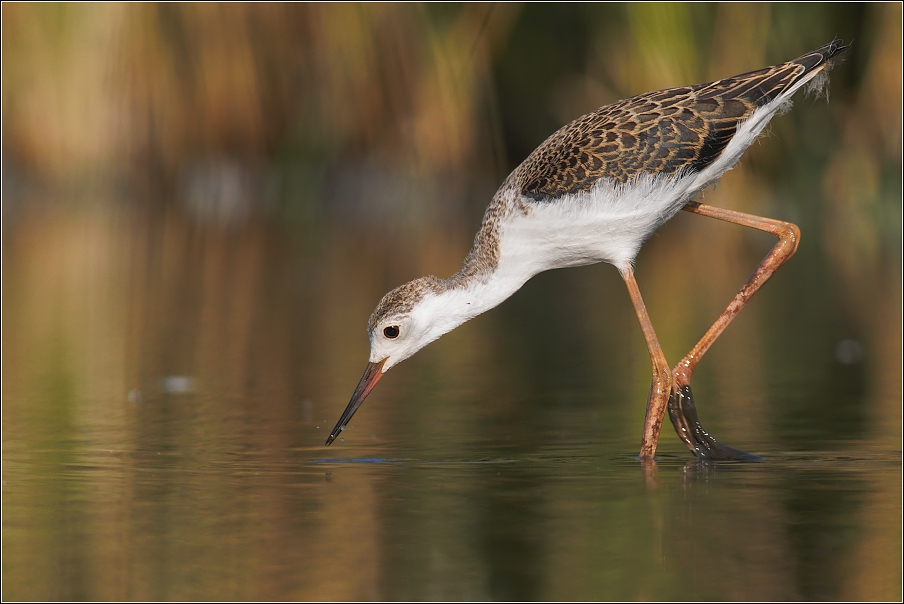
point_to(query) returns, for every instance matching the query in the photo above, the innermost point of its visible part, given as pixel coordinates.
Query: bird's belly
(562, 243)
(600, 226)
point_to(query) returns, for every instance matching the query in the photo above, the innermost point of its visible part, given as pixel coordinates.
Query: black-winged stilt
(593, 192)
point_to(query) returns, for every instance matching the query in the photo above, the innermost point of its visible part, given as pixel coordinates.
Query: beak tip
(371, 376)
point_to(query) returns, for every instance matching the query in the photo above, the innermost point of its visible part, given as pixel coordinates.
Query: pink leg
(682, 411)
(662, 376)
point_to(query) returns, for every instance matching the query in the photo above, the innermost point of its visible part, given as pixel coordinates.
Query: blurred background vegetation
(204, 202)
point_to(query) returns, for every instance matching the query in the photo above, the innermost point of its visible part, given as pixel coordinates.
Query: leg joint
(789, 238)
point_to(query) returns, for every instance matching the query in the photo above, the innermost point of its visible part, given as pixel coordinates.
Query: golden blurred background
(202, 203)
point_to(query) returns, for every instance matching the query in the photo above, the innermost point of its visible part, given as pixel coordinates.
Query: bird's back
(664, 132)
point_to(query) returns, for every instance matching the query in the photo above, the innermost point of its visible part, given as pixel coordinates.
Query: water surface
(168, 388)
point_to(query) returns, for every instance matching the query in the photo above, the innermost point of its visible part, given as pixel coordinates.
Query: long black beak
(372, 375)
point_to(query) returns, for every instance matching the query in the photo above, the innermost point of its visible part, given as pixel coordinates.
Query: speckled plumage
(657, 132)
(672, 132)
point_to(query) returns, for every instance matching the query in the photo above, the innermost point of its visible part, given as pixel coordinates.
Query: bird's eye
(391, 332)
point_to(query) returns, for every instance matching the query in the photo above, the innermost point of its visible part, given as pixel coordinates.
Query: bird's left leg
(661, 385)
(682, 411)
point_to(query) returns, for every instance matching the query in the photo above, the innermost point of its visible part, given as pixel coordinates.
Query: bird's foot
(683, 414)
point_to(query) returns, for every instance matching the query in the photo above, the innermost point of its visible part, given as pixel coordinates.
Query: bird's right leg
(682, 411)
(661, 386)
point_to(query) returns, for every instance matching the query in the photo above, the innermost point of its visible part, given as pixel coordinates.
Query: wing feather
(663, 132)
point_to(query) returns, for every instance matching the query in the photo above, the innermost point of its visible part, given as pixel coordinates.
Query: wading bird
(593, 192)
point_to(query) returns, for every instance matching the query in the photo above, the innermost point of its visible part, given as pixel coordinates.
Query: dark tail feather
(829, 53)
(817, 64)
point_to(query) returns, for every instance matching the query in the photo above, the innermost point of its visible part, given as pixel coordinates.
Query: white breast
(606, 224)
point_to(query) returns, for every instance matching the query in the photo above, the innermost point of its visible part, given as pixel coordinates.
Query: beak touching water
(372, 375)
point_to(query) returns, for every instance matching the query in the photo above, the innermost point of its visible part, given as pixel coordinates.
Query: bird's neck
(464, 298)
(485, 280)
(479, 294)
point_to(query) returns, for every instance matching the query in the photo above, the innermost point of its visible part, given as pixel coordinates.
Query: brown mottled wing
(658, 132)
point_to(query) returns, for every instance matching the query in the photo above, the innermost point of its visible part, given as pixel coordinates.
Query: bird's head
(406, 319)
